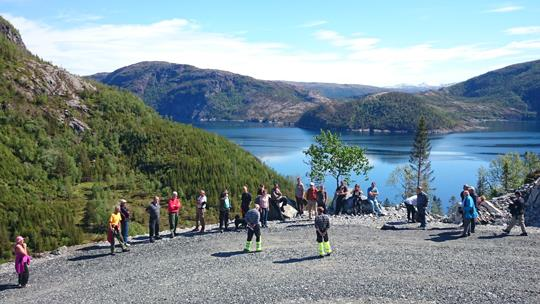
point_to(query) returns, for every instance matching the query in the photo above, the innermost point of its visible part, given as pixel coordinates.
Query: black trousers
(473, 225)
(422, 217)
(321, 238)
(411, 213)
(23, 277)
(223, 219)
(255, 231)
(340, 201)
(154, 227)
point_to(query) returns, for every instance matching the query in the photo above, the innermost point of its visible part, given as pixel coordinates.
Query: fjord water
(455, 157)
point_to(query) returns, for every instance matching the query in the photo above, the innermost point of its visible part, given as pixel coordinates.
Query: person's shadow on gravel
(4, 287)
(494, 236)
(445, 236)
(228, 254)
(297, 260)
(88, 257)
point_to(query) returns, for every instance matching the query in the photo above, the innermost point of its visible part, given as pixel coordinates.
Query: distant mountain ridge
(187, 93)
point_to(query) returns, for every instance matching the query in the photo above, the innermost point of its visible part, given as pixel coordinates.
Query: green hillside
(516, 86)
(71, 148)
(387, 111)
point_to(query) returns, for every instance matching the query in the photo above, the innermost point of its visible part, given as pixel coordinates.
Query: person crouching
(253, 218)
(322, 224)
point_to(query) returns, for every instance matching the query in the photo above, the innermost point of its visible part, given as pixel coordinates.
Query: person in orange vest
(311, 197)
(174, 206)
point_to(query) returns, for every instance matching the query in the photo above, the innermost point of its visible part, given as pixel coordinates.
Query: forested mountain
(393, 111)
(516, 86)
(70, 148)
(187, 93)
(511, 93)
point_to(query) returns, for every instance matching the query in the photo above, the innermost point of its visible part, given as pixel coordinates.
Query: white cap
(123, 201)
(312, 184)
(175, 193)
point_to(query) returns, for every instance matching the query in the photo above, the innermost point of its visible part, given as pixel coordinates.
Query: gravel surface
(368, 266)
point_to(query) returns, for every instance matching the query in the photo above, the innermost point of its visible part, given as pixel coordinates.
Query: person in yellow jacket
(114, 230)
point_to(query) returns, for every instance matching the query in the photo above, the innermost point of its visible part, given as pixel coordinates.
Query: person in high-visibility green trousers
(253, 218)
(322, 224)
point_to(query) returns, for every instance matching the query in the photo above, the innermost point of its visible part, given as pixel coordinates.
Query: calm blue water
(455, 157)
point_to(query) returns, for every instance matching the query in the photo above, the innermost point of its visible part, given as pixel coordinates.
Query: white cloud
(314, 23)
(92, 48)
(523, 30)
(505, 9)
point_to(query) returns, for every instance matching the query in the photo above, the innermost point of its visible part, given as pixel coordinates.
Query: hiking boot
(158, 237)
(506, 231)
(524, 234)
(151, 240)
(195, 229)
(125, 249)
(258, 248)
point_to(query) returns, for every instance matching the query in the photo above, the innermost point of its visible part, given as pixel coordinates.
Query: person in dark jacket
(253, 218)
(224, 208)
(246, 201)
(341, 193)
(124, 223)
(517, 209)
(421, 206)
(322, 224)
(153, 223)
(322, 198)
(357, 199)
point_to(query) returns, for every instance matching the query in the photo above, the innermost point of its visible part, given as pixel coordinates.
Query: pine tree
(419, 158)
(436, 206)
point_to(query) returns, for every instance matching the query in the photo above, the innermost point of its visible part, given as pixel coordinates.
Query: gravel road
(368, 266)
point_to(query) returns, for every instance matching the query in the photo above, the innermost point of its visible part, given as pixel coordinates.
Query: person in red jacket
(311, 197)
(174, 206)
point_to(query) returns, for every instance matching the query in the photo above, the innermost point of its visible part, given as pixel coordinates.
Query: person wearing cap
(173, 206)
(322, 224)
(124, 223)
(311, 197)
(201, 210)
(114, 230)
(517, 209)
(153, 223)
(422, 202)
(469, 213)
(22, 260)
(224, 208)
(253, 218)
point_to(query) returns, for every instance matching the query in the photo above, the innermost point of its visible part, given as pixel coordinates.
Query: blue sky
(383, 43)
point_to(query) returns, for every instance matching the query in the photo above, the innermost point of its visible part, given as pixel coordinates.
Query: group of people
(255, 218)
(471, 202)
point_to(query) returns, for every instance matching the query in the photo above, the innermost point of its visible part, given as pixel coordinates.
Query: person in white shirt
(201, 210)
